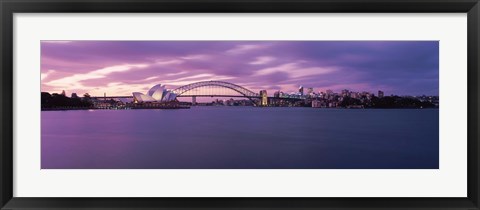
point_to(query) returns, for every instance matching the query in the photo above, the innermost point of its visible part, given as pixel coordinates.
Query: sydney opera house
(157, 93)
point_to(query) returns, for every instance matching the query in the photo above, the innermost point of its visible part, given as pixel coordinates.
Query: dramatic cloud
(239, 49)
(75, 80)
(123, 67)
(262, 60)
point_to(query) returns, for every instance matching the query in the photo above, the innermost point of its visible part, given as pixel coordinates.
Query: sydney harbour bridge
(209, 89)
(214, 89)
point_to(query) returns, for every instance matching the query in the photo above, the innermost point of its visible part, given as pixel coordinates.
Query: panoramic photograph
(239, 104)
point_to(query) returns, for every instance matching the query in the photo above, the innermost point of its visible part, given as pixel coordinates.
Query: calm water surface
(240, 138)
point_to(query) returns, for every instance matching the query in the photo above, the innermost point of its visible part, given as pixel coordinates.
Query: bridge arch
(237, 88)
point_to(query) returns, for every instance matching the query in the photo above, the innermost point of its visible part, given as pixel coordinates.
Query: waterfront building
(354, 95)
(316, 104)
(276, 94)
(124, 100)
(367, 95)
(309, 91)
(321, 95)
(332, 104)
(102, 105)
(300, 90)
(157, 93)
(380, 94)
(231, 102)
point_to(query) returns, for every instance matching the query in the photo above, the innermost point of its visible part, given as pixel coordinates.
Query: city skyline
(123, 67)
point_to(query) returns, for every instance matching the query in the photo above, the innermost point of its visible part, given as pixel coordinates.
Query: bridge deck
(184, 96)
(225, 96)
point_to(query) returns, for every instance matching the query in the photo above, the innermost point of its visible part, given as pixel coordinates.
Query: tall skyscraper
(380, 94)
(300, 90)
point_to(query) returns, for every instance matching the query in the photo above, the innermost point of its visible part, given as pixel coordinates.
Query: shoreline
(170, 108)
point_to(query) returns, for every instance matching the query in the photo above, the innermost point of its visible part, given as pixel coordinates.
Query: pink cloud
(262, 60)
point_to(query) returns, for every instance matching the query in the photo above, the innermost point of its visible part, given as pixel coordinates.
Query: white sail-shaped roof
(140, 97)
(153, 89)
(169, 96)
(157, 92)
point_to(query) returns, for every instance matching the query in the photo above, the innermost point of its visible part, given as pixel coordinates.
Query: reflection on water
(240, 138)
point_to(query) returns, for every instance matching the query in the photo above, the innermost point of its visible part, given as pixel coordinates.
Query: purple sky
(123, 67)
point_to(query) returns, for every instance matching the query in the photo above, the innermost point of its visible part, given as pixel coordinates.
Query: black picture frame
(9, 7)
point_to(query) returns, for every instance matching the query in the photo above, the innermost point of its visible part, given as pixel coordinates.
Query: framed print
(239, 105)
